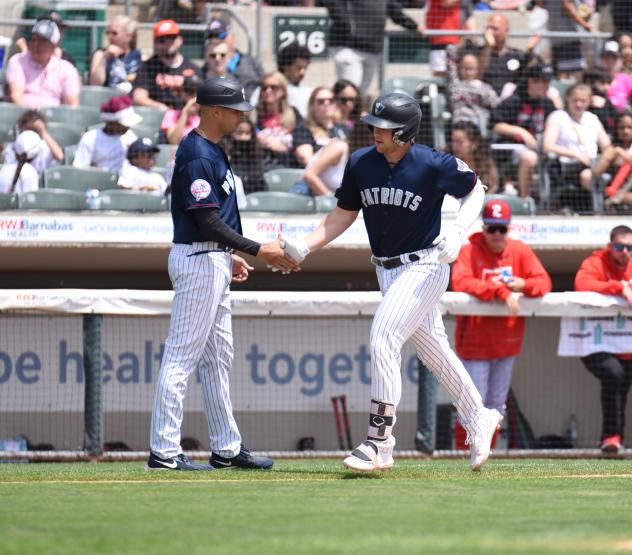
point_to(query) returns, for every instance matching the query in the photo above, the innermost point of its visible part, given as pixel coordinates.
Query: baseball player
(493, 267)
(207, 230)
(399, 186)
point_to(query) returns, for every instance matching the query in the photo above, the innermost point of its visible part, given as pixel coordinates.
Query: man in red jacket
(493, 267)
(609, 271)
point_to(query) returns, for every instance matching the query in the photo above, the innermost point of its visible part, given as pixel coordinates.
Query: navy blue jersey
(202, 178)
(402, 205)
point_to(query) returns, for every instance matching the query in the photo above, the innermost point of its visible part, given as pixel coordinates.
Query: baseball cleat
(244, 459)
(181, 462)
(481, 440)
(372, 455)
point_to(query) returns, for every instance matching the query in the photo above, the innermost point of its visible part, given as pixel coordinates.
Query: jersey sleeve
(348, 194)
(200, 184)
(454, 176)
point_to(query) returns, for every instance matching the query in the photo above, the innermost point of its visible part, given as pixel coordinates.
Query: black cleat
(181, 462)
(245, 459)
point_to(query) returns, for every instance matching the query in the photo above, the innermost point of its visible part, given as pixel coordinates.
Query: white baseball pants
(200, 336)
(492, 378)
(409, 310)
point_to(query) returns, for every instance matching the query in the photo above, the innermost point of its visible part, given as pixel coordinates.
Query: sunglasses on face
(323, 101)
(217, 55)
(502, 229)
(620, 247)
(346, 99)
(272, 88)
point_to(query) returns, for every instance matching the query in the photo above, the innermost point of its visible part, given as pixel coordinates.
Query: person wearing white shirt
(136, 173)
(20, 176)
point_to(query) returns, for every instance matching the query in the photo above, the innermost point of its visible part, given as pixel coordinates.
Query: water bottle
(94, 201)
(571, 432)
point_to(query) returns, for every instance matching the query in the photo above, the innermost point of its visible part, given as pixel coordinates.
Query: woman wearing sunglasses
(493, 267)
(609, 272)
(348, 103)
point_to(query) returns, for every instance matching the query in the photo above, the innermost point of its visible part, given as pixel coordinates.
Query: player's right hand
(274, 254)
(297, 249)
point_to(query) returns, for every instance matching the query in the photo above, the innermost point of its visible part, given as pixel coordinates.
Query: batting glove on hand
(449, 244)
(296, 249)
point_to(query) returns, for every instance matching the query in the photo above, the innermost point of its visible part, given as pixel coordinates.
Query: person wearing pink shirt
(620, 89)
(38, 78)
(176, 123)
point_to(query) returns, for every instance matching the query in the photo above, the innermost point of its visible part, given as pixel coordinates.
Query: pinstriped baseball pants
(200, 336)
(409, 310)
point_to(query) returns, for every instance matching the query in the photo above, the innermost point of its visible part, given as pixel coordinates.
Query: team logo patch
(461, 165)
(200, 189)
(378, 108)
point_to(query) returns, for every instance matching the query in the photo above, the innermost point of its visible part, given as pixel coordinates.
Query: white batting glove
(296, 249)
(449, 244)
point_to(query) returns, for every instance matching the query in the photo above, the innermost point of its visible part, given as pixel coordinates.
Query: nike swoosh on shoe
(172, 464)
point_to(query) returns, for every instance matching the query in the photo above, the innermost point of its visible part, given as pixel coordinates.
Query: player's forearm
(332, 226)
(214, 229)
(471, 206)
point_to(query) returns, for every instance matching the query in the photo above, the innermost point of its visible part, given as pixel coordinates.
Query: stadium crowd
(550, 125)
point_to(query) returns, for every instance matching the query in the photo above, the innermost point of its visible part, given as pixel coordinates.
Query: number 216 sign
(312, 32)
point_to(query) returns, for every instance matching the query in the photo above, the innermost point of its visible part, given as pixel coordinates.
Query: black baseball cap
(540, 71)
(223, 91)
(144, 145)
(217, 29)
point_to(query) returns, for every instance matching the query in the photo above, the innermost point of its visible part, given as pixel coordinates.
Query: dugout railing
(77, 369)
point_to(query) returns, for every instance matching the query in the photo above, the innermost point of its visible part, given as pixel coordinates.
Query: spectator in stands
(161, 77)
(493, 267)
(575, 136)
(348, 103)
(321, 117)
(625, 45)
(246, 156)
(470, 98)
(215, 59)
(444, 15)
(520, 120)
(38, 78)
(178, 122)
(609, 272)
(244, 67)
(136, 172)
(117, 65)
(501, 64)
(618, 162)
(49, 154)
(356, 36)
(620, 90)
(22, 46)
(20, 176)
(293, 61)
(598, 78)
(469, 145)
(106, 147)
(565, 15)
(283, 135)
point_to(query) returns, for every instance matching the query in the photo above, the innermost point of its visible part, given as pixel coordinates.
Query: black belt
(396, 261)
(220, 248)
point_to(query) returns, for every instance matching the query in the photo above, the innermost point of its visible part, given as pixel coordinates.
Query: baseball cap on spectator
(611, 47)
(540, 71)
(143, 145)
(48, 29)
(497, 212)
(120, 110)
(166, 28)
(55, 17)
(29, 143)
(217, 29)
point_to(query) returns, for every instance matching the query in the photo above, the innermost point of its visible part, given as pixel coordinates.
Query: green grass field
(316, 507)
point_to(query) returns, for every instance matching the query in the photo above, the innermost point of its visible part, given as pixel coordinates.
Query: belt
(205, 247)
(396, 261)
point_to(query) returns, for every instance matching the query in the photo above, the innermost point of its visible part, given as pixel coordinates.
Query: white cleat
(372, 455)
(481, 440)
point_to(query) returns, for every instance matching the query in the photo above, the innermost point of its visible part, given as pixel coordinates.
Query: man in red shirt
(493, 267)
(609, 271)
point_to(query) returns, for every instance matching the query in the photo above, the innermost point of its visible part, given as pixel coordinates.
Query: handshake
(292, 253)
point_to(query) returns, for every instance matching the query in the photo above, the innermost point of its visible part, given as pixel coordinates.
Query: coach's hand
(274, 255)
(241, 269)
(449, 244)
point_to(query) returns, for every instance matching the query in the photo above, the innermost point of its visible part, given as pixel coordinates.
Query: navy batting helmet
(223, 91)
(397, 111)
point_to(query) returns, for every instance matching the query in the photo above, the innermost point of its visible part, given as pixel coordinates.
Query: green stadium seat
(9, 114)
(282, 179)
(131, 201)
(166, 154)
(80, 116)
(147, 131)
(79, 179)
(64, 133)
(92, 95)
(53, 199)
(69, 154)
(152, 117)
(519, 206)
(325, 203)
(278, 201)
(8, 201)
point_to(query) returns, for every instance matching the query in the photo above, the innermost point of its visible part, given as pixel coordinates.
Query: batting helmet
(223, 91)
(397, 111)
